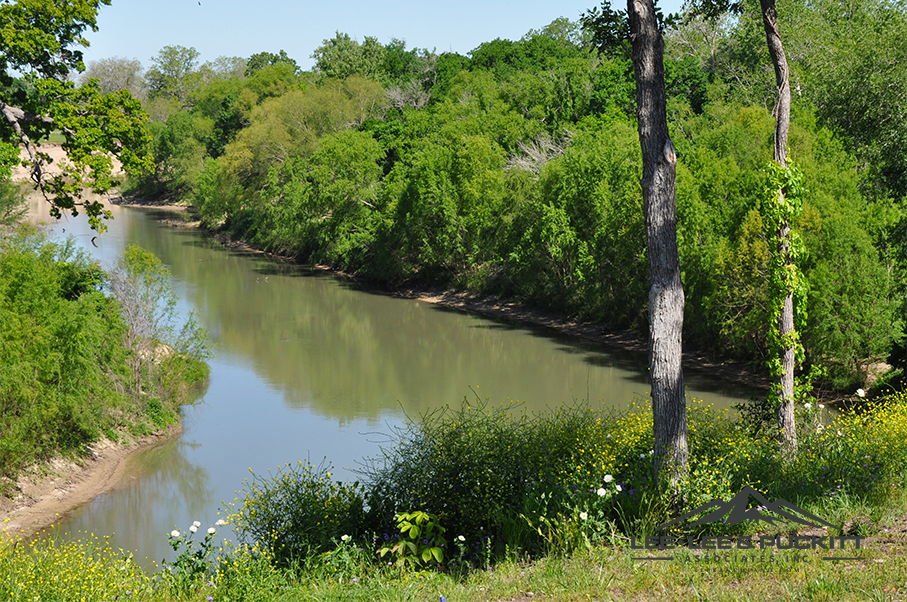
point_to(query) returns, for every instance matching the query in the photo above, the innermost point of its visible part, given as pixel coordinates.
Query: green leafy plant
(422, 542)
(345, 563)
(586, 517)
(785, 192)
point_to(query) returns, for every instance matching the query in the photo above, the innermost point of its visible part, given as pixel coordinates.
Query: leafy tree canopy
(608, 30)
(260, 60)
(38, 52)
(342, 56)
(174, 74)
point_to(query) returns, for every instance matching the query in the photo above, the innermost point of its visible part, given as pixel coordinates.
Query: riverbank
(39, 494)
(484, 305)
(50, 490)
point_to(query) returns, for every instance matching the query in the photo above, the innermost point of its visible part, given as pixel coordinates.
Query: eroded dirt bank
(48, 492)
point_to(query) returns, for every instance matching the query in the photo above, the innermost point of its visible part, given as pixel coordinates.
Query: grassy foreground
(89, 570)
(478, 504)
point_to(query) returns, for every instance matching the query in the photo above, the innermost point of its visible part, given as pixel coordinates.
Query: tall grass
(506, 483)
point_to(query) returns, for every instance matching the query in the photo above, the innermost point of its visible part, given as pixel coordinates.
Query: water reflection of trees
(162, 487)
(347, 354)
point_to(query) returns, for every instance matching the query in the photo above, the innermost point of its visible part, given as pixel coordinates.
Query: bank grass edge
(547, 508)
(89, 569)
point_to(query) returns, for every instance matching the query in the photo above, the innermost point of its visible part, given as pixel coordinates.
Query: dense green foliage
(515, 171)
(499, 482)
(847, 75)
(298, 512)
(61, 355)
(64, 357)
(38, 52)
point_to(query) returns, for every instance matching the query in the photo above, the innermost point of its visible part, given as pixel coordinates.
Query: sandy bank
(48, 492)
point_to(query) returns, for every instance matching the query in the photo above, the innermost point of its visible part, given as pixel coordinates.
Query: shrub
(64, 351)
(498, 481)
(298, 512)
(479, 469)
(61, 382)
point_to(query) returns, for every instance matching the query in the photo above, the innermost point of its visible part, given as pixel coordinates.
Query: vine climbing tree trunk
(666, 298)
(785, 384)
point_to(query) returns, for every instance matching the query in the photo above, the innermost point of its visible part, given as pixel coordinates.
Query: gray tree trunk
(785, 383)
(665, 287)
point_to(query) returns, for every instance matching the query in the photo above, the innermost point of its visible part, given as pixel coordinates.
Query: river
(308, 366)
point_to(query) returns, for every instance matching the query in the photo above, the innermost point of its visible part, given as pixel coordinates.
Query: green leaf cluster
(782, 205)
(38, 51)
(423, 540)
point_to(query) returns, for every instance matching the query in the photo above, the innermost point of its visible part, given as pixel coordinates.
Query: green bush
(62, 377)
(480, 468)
(298, 512)
(501, 482)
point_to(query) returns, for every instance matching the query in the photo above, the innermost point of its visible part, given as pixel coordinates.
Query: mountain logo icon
(738, 510)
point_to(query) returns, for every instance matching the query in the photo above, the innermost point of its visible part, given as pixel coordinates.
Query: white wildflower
(807, 405)
(211, 530)
(220, 522)
(193, 528)
(345, 538)
(601, 492)
(821, 406)
(861, 393)
(619, 488)
(584, 515)
(608, 478)
(461, 538)
(174, 533)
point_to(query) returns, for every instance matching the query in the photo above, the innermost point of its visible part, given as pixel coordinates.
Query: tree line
(514, 171)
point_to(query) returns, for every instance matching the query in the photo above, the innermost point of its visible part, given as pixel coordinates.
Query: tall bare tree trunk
(785, 383)
(665, 287)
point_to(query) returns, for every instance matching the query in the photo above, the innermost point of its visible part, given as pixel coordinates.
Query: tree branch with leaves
(38, 43)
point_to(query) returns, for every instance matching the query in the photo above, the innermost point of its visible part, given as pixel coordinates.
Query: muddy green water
(308, 366)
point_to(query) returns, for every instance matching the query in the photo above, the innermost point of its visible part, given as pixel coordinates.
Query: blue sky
(140, 28)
